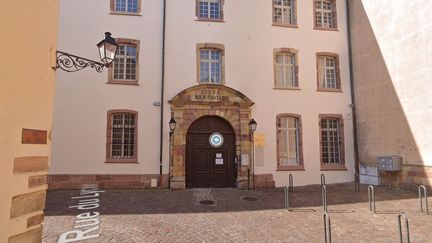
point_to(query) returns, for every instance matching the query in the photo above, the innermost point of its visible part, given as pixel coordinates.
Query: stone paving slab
(134, 215)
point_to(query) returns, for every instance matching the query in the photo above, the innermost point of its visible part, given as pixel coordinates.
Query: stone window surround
(341, 166)
(212, 46)
(111, 79)
(335, 28)
(221, 19)
(338, 76)
(108, 137)
(112, 9)
(286, 25)
(288, 51)
(300, 166)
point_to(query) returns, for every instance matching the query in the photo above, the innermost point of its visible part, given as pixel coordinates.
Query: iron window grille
(122, 144)
(331, 141)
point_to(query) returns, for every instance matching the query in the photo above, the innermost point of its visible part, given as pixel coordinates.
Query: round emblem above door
(216, 140)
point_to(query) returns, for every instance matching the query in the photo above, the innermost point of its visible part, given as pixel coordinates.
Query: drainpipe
(162, 94)
(354, 107)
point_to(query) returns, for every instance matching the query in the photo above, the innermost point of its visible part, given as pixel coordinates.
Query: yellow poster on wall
(259, 139)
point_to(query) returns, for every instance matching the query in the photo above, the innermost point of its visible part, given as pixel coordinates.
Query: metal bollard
(400, 216)
(327, 225)
(291, 183)
(324, 197)
(423, 194)
(323, 180)
(371, 197)
(286, 191)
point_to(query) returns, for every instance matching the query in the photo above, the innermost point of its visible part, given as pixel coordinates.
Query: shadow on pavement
(144, 201)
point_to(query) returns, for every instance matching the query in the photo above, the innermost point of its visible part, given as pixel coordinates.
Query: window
(209, 10)
(210, 63)
(289, 142)
(325, 14)
(122, 136)
(332, 142)
(132, 7)
(284, 12)
(328, 72)
(124, 69)
(286, 68)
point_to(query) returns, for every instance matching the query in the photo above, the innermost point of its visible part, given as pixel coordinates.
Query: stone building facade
(286, 65)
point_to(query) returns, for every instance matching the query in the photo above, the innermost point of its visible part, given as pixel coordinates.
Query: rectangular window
(289, 145)
(125, 67)
(284, 12)
(325, 14)
(126, 6)
(125, 63)
(210, 66)
(286, 71)
(209, 9)
(332, 141)
(121, 136)
(328, 72)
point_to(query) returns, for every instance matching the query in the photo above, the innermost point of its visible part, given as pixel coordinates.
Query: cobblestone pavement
(176, 216)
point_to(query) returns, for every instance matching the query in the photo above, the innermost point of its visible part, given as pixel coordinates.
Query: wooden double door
(210, 153)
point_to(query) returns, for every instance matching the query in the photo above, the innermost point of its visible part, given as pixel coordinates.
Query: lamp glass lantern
(172, 125)
(107, 49)
(252, 126)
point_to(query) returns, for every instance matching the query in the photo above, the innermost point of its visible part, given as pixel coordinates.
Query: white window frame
(289, 130)
(209, 2)
(287, 81)
(210, 62)
(127, 10)
(328, 73)
(325, 14)
(280, 8)
(125, 59)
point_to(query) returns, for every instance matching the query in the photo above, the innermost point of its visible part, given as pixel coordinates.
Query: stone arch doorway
(214, 100)
(210, 153)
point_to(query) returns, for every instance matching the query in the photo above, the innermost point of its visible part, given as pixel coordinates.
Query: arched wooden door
(210, 153)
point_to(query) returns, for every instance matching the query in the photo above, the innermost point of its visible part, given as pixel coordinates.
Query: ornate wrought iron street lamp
(252, 128)
(172, 125)
(72, 63)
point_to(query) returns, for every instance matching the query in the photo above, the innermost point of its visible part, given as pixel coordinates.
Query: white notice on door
(219, 161)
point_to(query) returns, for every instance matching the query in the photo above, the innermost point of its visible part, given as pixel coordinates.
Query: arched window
(122, 136)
